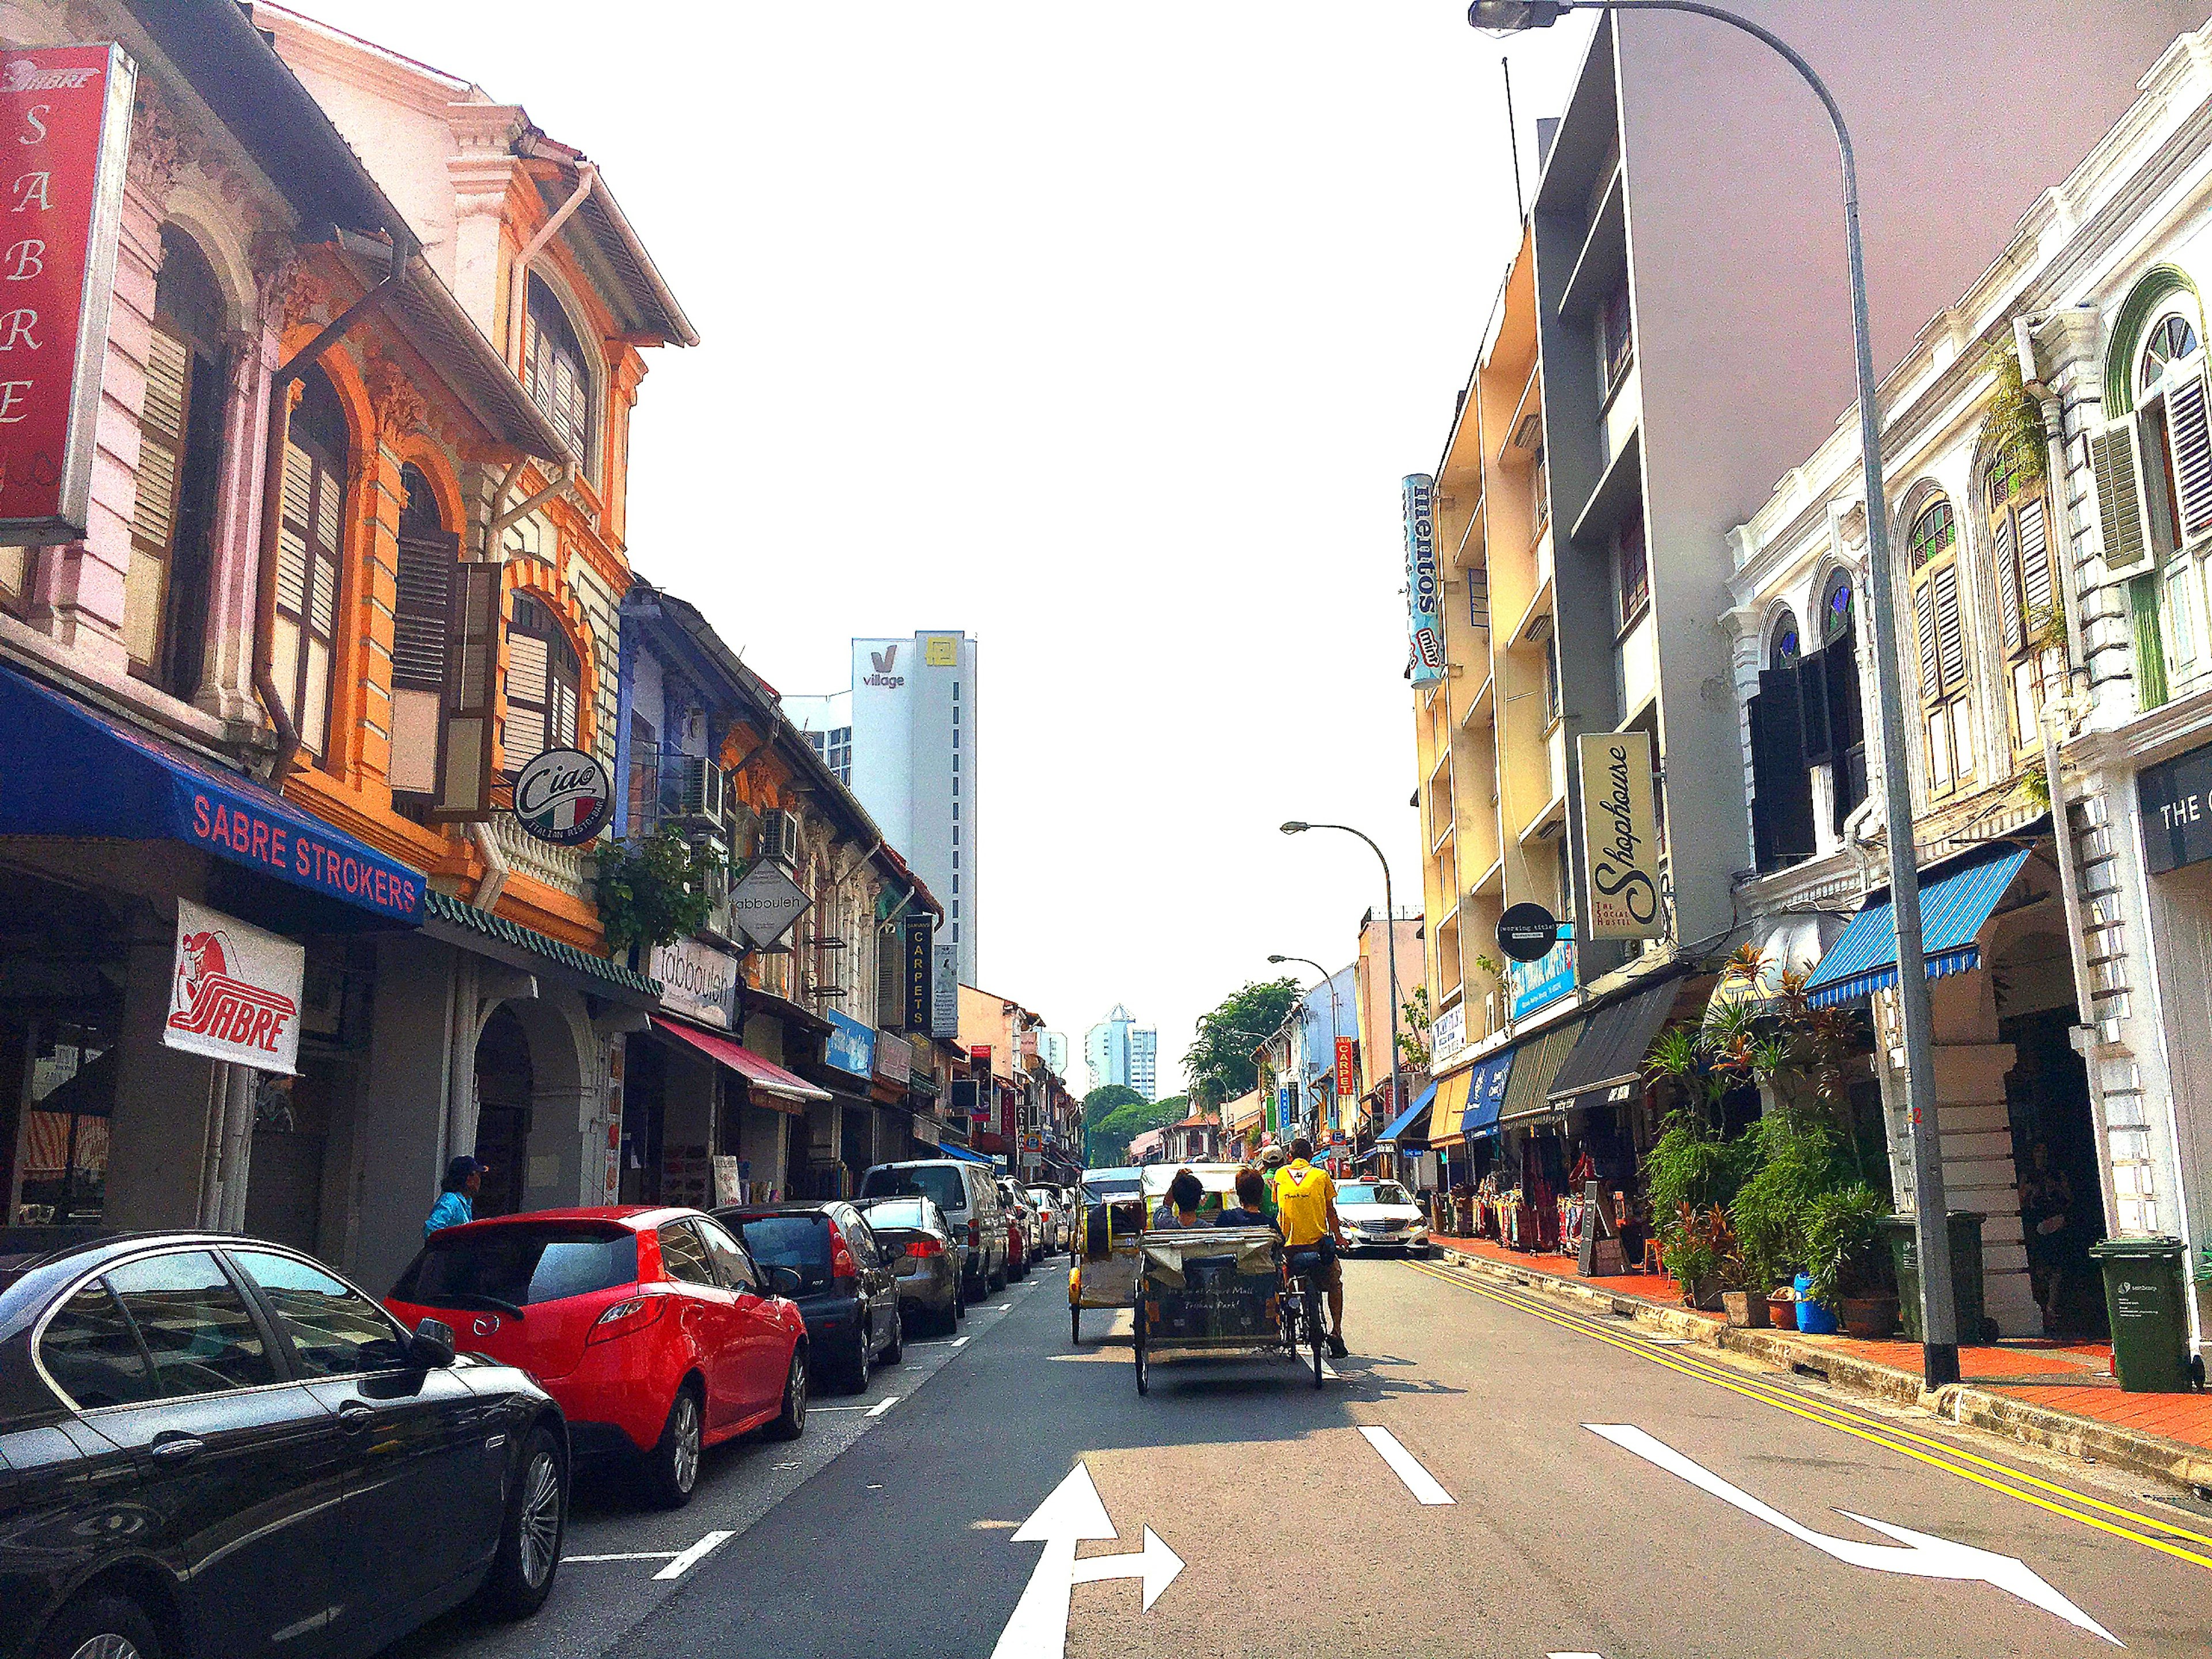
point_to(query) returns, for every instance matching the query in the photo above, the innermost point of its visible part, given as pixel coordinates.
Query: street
(1484, 1475)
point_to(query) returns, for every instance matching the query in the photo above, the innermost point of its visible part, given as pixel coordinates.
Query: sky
(1103, 333)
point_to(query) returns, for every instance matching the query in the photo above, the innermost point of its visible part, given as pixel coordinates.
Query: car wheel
(997, 1281)
(894, 1350)
(858, 1368)
(529, 1555)
(100, 1627)
(671, 1467)
(792, 1422)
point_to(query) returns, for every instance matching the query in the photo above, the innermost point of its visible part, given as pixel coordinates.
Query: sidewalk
(2060, 1396)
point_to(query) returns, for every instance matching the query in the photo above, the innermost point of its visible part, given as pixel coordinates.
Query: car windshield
(1041, 1198)
(800, 1242)
(897, 1212)
(935, 1180)
(518, 1265)
(1371, 1192)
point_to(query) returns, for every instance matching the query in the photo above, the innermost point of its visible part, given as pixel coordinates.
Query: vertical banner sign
(1620, 837)
(915, 940)
(1423, 592)
(1347, 1073)
(235, 992)
(944, 991)
(66, 116)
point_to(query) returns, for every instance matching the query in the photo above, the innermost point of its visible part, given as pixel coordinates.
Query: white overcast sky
(1103, 332)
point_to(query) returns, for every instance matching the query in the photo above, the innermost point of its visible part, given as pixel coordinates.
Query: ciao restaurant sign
(235, 992)
(66, 115)
(563, 796)
(1620, 835)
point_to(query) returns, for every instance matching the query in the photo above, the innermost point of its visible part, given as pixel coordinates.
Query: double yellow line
(1997, 1477)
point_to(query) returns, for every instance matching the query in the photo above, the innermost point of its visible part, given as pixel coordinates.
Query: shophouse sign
(235, 994)
(850, 1046)
(564, 796)
(1620, 835)
(914, 943)
(697, 981)
(65, 124)
(1424, 586)
(2176, 798)
(765, 903)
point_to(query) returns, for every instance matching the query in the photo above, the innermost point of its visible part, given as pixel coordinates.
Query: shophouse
(2048, 579)
(1011, 1090)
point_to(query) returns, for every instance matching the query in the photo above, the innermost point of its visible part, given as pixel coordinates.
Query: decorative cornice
(400, 408)
(161, 145)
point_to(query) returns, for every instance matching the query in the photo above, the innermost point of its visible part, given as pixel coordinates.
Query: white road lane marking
(1922, 1556)
(1002, 1307)
(625, 1555)
(959, 1341)
(883, 1406)
(1406, 1467)
(692, 1557)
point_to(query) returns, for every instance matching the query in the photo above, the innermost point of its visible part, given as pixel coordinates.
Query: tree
(1109, 1141)
(1219, 1064)
(1105, 1099)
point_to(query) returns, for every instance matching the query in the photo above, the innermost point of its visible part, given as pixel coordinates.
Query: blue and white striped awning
(1952, 910)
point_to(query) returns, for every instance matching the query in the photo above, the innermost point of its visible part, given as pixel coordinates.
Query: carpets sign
(235, 994)
(1620, 837)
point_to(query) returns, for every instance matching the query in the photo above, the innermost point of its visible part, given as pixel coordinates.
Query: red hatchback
(653, 1328)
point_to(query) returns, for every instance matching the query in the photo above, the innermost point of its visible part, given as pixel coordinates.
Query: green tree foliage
(1109, 1139)
(652, 891)
(1105, 1099)
(1220, 1063)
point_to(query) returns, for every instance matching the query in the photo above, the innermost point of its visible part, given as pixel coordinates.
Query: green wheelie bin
(2146, 1300)
(1965, 1230)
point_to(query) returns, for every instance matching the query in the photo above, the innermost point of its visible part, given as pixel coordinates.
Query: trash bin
(1903, 1233)
(2146, 1304)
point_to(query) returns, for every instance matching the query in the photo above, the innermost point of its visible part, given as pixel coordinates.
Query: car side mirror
(783, 1281)
(431, 1347)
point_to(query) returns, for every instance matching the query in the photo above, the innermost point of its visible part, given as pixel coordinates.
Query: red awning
(763, 1075)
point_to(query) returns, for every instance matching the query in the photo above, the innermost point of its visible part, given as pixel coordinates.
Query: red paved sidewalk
(2073, 1378)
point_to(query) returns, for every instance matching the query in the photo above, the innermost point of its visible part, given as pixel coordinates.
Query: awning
(1952, 910)
(66, 769)
(1486, 1095)
(1399, 1124)
(464, 925)
(1450, 1107)
(1607, 1058)
(1535, 1063)
(953, 1149)
(782, 1091)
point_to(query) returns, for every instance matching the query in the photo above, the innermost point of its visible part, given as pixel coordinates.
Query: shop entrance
(504, 1091)
(2054, 1141)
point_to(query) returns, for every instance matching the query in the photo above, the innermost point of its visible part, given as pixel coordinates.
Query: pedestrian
(456, 1196)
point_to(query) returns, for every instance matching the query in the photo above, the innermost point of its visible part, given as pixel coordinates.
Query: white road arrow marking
(1921, 1556)
(692, 1557)
(1038, 1629)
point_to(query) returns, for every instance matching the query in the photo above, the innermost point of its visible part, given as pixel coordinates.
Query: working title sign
(1620, 837)
(235, 992)
(1424, 589)
(65, 124)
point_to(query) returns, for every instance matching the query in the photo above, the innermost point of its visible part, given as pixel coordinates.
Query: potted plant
(1841, 1267)
(1703, 1256)
(1782, 1307)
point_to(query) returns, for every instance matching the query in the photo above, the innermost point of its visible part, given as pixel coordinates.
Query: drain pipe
(2083, 1034)
(2054, 464)
(518, 280)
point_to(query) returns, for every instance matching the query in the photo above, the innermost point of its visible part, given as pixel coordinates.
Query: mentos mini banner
(65, 124)
(235, 992)
(1424, 590)
(1620, 835)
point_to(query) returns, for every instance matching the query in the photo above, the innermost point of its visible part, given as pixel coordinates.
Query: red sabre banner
(65, 131)
(235, 994)
(1347, 1074)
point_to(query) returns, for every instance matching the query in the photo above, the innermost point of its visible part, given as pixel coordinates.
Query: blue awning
(1398, 1124)
(1486, 1094)
(963, 1154)
(1952, 909)
(66, 769)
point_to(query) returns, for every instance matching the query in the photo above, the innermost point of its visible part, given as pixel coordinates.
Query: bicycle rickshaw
(1112, 1217)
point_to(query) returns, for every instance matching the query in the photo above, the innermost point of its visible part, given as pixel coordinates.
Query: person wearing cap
(455, 1205)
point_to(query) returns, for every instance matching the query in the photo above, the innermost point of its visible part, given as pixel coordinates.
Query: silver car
(918, 1245)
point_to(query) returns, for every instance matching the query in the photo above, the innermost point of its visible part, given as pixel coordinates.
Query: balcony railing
(558, 867)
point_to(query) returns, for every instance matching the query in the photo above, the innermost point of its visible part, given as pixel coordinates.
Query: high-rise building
(902, 739)
(1119, 1050)
(1052, 1049)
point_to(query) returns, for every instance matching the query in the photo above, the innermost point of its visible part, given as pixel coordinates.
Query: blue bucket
(1814, 1318)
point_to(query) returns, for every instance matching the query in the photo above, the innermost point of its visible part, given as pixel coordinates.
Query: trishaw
(1111, 1213)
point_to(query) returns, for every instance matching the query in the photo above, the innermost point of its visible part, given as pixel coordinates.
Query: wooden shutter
(2120, 517)
(160, 484)
(891, 977)
(2035, 589)
(1779, 781)
(471, 690)
(1813, 705)
(1923, 613)
(422, 619)
(1950, 634)
(2190, 434)
(2008, 563)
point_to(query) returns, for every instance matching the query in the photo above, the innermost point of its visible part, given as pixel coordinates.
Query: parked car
(211, 1443)
(923, 1252)
(653, 1328)
(969, 1198)
(1381, 1215)
(1021, 1230)
(848, 1293)
(1051, 1206)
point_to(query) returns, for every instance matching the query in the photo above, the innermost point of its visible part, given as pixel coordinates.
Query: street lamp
(1390, 942)
(1335, 1034)
(1939, 1325)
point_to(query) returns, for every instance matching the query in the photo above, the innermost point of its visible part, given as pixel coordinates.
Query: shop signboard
(1525, 931)
(66, 111)
(697, 981)
(850, 1046)
(1347, 1067)
(1620, 837)
(914, 941)
(894, 1059)
(765, 904)
(1447, 1034)
(1424, 586)
(564, 796)
(926, 1131)
(1536, 984)
(944, 990)
(2176, 798)
(235, 992)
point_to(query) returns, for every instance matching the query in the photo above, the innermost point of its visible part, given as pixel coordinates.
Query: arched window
(2019, 546)
(1840, 676)
(1836, 608)
(309, 544)
(1934, 542)
(545, 684)
(556, 372)
(1782, 643)
(421, 625)
(179, 454)
(2172, 338)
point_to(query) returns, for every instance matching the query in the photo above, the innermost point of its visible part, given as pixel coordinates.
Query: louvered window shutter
(422, 619)
(1923, 611)
(2008, 551)
(160, 479)
(1780, 779)
(2190, 434)
(890, 980)
(1950, 634)
(471, 688)
(2035, 589)
(2119, 498)
(1813, 705)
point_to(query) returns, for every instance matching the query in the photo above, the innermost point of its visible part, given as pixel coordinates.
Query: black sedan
(846, 1293)
(913, 1236)
(213, 1447)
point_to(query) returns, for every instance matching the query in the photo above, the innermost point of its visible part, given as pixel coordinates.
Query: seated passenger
(1185, 1192)
(1250, 1208)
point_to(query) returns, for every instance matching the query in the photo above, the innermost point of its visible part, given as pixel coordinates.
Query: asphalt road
(1487, 1476)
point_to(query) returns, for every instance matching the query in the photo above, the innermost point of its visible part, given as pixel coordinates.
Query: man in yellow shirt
(1305, 1210)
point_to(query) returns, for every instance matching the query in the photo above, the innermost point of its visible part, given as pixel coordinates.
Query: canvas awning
(1607, 1058)
(773, 1086)
(1954, 909)
(1401, 1125)
(1449, 1108)
(1486, 1095)
(1535, 1063)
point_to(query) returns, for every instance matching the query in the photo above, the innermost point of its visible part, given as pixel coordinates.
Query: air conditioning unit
(699, 788)
(779, 835)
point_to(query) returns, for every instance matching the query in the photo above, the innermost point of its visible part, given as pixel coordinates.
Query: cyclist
(1305, 1210)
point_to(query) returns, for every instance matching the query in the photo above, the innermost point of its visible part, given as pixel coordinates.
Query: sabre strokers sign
(564, 797)
(1620, 835)
(66, 115)
(1423, 592)
(235, 993)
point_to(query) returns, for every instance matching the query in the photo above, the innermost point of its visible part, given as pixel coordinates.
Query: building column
(165, 1134)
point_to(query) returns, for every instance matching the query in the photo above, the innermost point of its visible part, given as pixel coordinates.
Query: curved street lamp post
(1335, 1033)
(1390, 942)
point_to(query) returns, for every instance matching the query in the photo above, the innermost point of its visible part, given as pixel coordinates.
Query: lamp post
(1335, 1034)
(1939, 1354)
(1390, 944)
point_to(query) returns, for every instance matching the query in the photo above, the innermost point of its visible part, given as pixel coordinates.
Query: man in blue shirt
(464, 1177)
